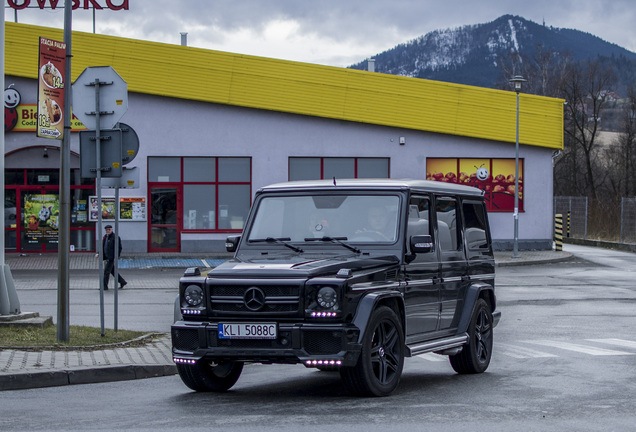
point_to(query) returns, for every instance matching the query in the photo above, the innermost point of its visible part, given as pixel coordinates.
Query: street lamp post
(517, 81)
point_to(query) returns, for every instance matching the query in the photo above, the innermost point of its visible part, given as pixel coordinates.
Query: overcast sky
(329, 32)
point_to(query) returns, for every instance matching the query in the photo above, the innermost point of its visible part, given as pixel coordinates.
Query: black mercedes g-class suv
(347, 275)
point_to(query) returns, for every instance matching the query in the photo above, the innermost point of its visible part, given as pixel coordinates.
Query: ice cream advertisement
(496, 177)
(51, 69)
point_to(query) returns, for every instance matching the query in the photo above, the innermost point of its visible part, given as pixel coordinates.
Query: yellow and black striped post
(558, 232)
(568, 231)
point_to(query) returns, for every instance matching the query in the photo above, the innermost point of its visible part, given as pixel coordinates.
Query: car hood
(298, 267)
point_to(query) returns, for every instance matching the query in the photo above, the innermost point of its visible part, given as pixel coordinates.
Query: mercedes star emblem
(254, 298)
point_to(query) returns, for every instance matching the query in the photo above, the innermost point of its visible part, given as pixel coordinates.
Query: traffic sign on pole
(113, 97)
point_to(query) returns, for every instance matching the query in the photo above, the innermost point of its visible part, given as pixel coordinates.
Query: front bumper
(309, 344)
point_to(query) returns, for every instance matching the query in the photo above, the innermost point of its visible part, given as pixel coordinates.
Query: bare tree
(585, 88)
(544, 71)
(622, 153)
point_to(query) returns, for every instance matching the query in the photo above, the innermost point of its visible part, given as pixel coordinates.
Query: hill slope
(473, 54)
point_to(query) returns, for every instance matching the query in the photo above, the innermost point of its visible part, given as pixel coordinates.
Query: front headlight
(193, 295)
(327, 298)
(323, 302)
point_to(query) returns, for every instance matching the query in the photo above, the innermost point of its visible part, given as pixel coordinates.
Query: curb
(514, 262)
(22, 381)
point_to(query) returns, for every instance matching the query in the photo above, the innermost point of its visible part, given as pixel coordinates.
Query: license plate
(248, 331)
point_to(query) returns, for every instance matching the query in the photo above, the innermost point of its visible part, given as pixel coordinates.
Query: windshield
(354, 218)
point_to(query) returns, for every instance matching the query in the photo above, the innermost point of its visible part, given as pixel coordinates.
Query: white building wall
(173, 127)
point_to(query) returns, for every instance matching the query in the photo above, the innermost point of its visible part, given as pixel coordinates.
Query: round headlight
(193, 295)
(327, 297)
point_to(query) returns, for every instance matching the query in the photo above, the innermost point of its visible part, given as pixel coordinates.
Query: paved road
(146, 304)
(565, 357)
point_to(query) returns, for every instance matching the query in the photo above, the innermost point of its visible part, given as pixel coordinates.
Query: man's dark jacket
(108, 243)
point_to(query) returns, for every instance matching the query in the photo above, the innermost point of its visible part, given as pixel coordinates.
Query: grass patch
(79, 336)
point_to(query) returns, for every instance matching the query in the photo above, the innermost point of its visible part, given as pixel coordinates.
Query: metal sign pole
(64, 222)
(116, 281)
(99, 205)
(113, 102)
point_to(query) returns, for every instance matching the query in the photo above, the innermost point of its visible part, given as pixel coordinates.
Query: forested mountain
(476, 54)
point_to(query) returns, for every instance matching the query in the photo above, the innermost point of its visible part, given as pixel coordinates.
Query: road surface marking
(618, 342)
(432, 357)
(520, 352)
(585, 349)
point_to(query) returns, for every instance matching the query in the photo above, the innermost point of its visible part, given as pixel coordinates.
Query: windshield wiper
(337, 240)
(281, 240)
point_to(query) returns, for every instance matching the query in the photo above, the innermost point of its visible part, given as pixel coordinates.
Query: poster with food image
(50, 106)
(41, 213)
(109, 210)
(130, 209)
(495, 176)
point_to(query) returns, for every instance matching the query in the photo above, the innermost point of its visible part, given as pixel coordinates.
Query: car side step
(437, 345)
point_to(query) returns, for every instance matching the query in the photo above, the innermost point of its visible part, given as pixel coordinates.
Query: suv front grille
(256, 300)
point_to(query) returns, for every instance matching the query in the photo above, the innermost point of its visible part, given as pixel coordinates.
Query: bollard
(568, 229)
(558, 232)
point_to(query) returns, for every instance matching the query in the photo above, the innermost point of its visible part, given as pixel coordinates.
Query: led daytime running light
(183, 361)
(314, 363)
(191, 311)
(324, 314)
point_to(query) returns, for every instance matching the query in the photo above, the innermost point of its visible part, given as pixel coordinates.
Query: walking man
(108, 245)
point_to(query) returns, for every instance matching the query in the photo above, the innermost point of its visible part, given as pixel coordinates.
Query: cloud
(333, 32)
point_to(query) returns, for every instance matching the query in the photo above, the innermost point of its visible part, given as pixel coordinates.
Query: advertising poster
(495, 176)
(51, 69)
(130, 209)
(40, 218)
(109, 210)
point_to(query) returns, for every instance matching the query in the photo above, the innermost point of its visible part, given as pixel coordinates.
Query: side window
(447, 227)
(418, 223)
(475, 223)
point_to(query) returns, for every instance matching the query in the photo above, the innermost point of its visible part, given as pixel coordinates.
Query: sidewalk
(87, 261)
(23, 369)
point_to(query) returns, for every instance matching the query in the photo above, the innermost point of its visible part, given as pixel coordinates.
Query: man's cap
(108, 226)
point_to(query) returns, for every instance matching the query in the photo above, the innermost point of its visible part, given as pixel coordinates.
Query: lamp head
(518, 81)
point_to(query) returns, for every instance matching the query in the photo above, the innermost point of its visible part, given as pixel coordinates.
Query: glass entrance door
(165, 220)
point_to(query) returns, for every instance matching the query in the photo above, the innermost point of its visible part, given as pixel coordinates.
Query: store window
(32, 211)
(308, 168)
(214, 192)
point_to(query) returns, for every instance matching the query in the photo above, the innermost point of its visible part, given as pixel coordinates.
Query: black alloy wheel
(477, 352)
(381, 360)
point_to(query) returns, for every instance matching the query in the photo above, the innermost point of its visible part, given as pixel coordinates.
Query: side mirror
(421, 243)
(231, 243)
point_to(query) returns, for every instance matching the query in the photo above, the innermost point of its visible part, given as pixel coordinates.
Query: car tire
(204, 376)
(476, 353)
(379, 367)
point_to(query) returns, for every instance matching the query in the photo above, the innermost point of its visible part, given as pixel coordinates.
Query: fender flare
(369, 303)
(473, 293)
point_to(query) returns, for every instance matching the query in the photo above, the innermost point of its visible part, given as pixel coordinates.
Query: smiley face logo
(482, 173)
(11, 98)
(11, 101)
